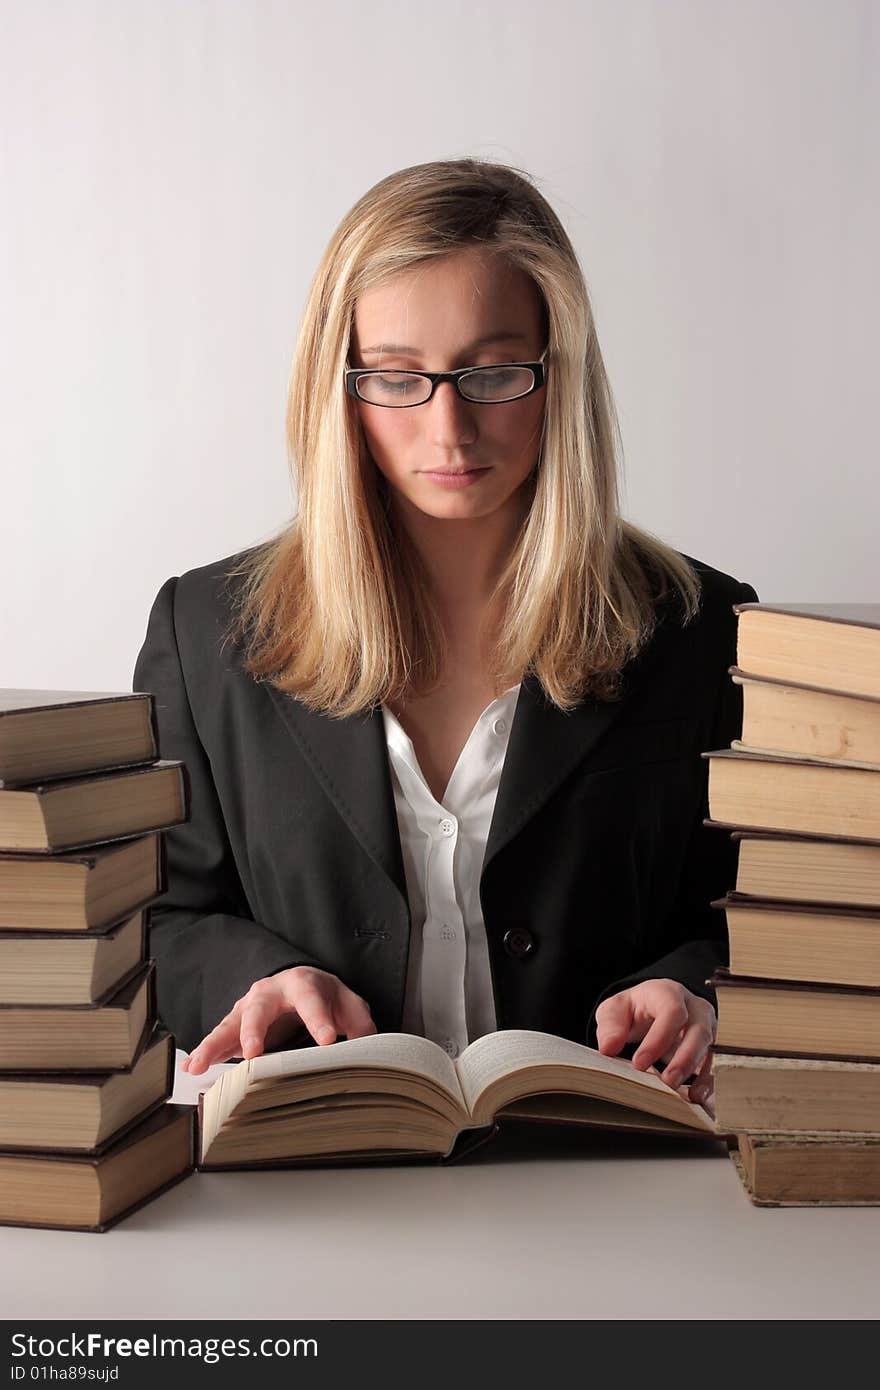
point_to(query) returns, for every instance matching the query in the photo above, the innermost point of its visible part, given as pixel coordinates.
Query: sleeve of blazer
(696, 933)
(207, 947)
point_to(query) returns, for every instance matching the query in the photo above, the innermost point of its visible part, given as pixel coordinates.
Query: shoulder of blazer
(202, 595)
(718, 587)
(718, 593)
(697, 649)
(202, 614)
(202, 605)
(199, 588)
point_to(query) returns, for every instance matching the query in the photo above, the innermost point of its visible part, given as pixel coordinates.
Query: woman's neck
(463, 558)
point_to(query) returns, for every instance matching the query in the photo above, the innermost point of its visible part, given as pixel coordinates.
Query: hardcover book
(83, 891)
(805, 722)
(84, 1112)
(771, 1094)
(59, 733)
(69, 967)
(87, 1192)
(802, 868)
(757, 790)
(802, 941)
(50, 816)
(399, 1096)
(102, 1036)
(796, 1019)
(804, 1170)
(835, 646)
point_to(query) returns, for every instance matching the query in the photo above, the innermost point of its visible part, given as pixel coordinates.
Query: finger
(352, 1014)
(702, 1092)
(690, 1053)
(287, 1030)
(667, 1052)
(256, 1015)
(704, 1070)
(670, 1019)
(306, 994)
(708, 1103)
(220, 1043)
(614, 1021)
(703, 1084)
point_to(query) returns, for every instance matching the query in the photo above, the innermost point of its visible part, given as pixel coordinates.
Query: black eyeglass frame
(538, 370)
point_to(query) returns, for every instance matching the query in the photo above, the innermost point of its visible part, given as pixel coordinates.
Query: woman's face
(468, 309)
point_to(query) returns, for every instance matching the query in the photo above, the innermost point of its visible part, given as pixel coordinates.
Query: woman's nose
(452, 419)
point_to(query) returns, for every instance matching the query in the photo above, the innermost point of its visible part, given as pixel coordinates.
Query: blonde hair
(336, 608)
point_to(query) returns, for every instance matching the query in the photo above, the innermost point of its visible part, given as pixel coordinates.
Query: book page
(390, 1052)
(496, 1055)
(585, 1110)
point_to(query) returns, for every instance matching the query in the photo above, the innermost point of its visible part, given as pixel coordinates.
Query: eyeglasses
(508, 381)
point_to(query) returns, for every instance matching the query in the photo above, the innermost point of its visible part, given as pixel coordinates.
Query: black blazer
(598, 870)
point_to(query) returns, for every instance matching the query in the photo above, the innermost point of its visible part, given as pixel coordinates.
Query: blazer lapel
(349, 757)
(545, 745)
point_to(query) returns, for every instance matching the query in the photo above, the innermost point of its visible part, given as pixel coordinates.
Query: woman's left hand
(671, 1024)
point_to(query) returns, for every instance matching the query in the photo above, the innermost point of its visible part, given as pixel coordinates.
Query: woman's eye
(395, 385)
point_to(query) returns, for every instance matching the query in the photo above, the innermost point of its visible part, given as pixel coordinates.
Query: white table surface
(574, 1225)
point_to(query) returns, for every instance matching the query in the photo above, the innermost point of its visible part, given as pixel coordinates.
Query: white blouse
(448, 995)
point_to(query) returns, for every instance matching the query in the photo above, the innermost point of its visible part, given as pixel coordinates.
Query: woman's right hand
(278, 1007)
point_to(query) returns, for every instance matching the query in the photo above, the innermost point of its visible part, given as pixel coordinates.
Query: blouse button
(500, 726)
(447, 826)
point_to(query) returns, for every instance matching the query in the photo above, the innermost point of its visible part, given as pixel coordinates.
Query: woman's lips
(455, 480)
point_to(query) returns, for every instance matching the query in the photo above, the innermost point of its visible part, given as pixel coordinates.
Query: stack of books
(797, 1055)
(86, 1131)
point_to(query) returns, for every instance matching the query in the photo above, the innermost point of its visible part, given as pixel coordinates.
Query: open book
(396, 1095)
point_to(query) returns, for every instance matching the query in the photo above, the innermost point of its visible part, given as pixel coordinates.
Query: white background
(171, 172)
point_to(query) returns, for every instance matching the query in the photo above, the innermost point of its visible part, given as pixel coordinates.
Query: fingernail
(250, 1043)
(326, 1033)
(672, 1078)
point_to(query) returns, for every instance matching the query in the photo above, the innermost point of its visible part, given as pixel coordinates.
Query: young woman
(443, 731)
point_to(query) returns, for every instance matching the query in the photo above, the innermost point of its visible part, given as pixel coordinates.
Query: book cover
(53, 1018)
(764, 791)
(853, 614)
(154, 1035)
(25, 907)
(765, 832)
(40, 795)
(820, 1007)
(163, 1117)
(25, 716)
(809, 1170)
(830, 645)
(67, 968)
(741, 677)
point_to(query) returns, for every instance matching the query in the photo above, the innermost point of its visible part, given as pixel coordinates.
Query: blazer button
(519, 941)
